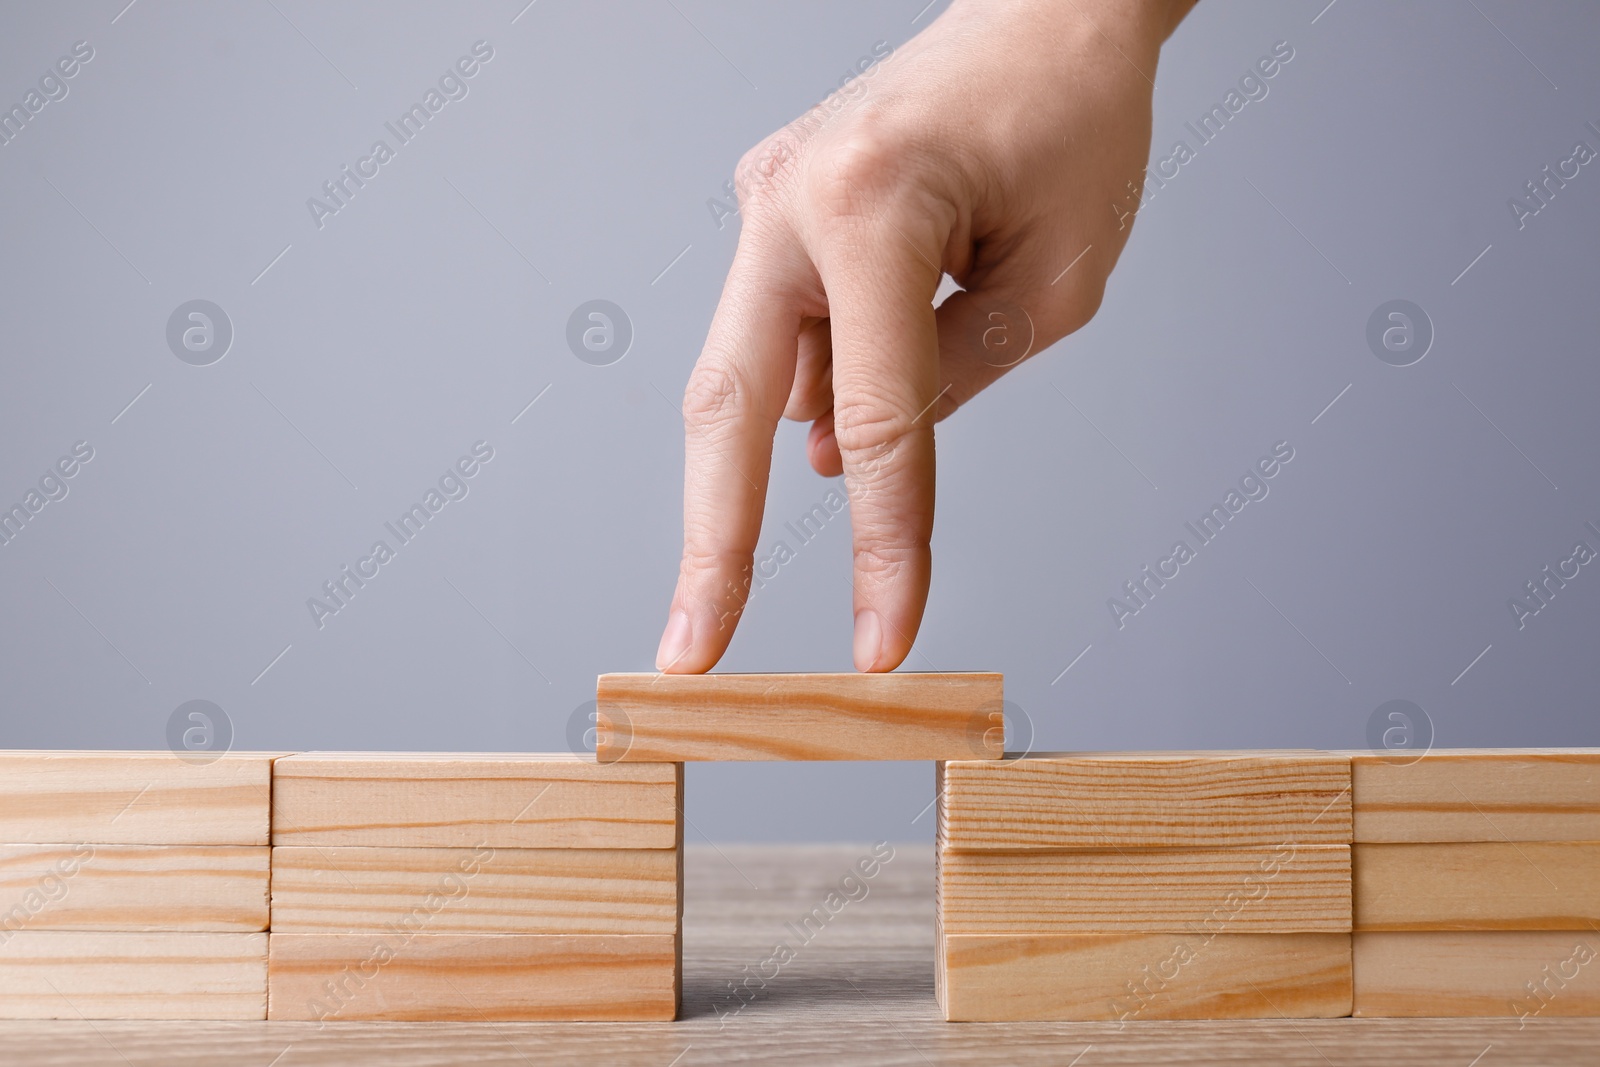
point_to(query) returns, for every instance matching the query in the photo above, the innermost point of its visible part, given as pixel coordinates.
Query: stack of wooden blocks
(1270, 885)
(1144, 886)
(395, 886)
(134, 886)
(1477, 883)
(475, 888)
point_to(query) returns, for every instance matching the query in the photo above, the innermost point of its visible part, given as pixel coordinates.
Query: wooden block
(443, 800)
(75, 975)
(899, 716)
(339, 889)
(1530, 794)
(1128, 977)
(1145, 800)
(677, 932)
(133, 887)
(1515, 974)
(468, 978)
(1290, 889)
(137, 798)
(1496, 885)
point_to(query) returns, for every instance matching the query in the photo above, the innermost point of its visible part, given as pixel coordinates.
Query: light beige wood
(1478, 795)
(462, 977)
(1145, 800)
(461, 800)
(677, 929)
(859, 995)
(899, 716)
(122, 975)
(1262, 890)
(133, 887)
(341, 889)
(1520, 975)
(1462, 885)
(138, 798)
(1143, 977)
(798, 1031)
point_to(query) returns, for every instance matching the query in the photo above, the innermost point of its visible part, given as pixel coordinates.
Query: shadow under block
(464, 801)
(1282, 889)
(1478, 795)
(133, 887)
(473, 978)
(1145, 800)
(1497, 885)
(138, 798)
(1484, 974)
(1126, 977)
(340, 889)
(896, 716)
(74, 975)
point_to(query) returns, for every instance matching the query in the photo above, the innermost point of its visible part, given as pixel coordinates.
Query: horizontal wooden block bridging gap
(469, 978)
(1470, 885)
(123, 975)
(1145, 800)
(1141, 977)
(1284, 889)
(343, 889)
(451, 800)
(133, 887)
(134, 798)
(898, 716)
(1486, 974)
(1525, 794)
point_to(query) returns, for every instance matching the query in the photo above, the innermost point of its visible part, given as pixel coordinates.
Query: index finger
(731, 407)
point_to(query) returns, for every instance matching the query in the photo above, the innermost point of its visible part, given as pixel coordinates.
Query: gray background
(433, 308)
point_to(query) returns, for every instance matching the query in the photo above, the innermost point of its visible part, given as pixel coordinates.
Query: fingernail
(869, 639)
(676, 641)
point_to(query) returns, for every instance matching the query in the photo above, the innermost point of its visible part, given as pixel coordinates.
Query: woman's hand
(1004, 146)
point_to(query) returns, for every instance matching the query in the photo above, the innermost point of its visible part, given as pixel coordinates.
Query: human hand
(995, 147)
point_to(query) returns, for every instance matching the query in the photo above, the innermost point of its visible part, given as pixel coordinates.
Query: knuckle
(856, 171)
(714, 396)
(1079, 305)
(1071, 306)
(884, 559)
(703, 561)
(869, 432)
(767, 168)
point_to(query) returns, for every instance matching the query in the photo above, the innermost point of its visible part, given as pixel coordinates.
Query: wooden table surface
(860, 992)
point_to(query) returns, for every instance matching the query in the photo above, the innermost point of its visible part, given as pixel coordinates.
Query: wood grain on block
(464, 977)
(1128, 977)
(451, 800)
(340, 889)
(677, 928)
(138, 798)
(51, 974)
(1145, 800)
(1530, 794)
(898, 716)
(1472, 885)
(1286, 889)
(133, 887)
(1515, 974)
